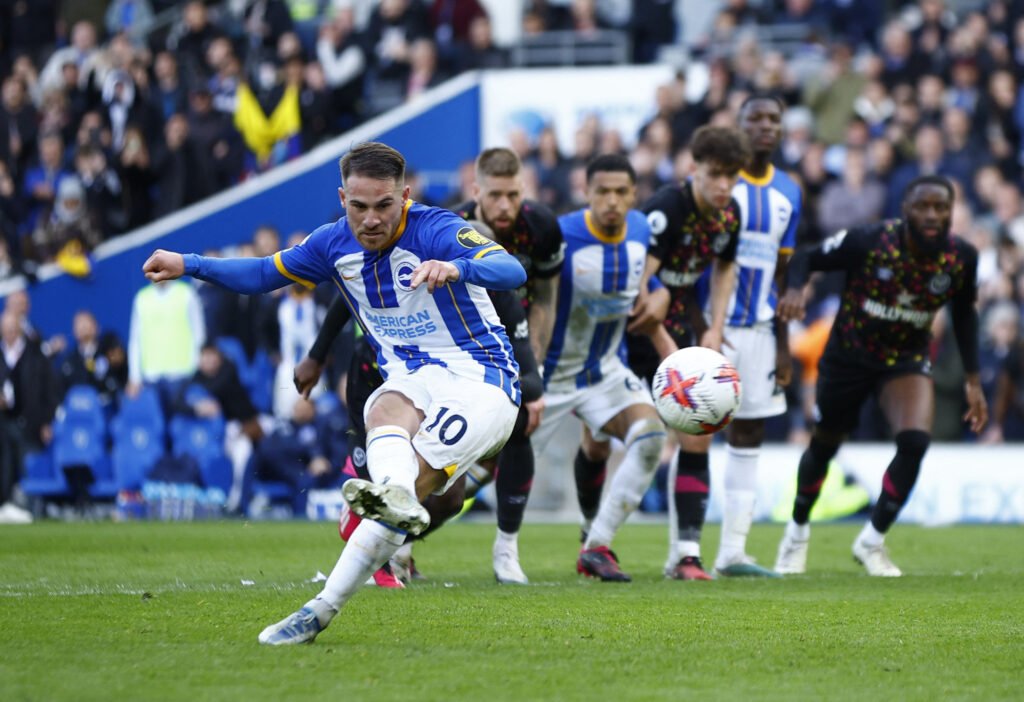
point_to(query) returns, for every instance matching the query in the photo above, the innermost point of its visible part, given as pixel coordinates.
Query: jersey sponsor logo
(677, 279)
(833, 242)
(607, 308)
(400, 326)
(359, 456)
(720, 243)
(403, 275)
(918, 318)
(471, 238)
(940, 283)
(657, 221)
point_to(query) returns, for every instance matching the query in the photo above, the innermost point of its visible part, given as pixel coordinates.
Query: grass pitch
(171, 612)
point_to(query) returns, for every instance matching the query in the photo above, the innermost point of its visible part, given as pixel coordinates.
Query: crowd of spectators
(109, 120)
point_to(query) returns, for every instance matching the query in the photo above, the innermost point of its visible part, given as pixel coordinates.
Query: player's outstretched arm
(248, 276)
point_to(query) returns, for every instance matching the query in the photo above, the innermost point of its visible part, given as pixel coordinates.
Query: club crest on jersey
(471, 238)
(940, 283)
(403, 275)
(720, 242)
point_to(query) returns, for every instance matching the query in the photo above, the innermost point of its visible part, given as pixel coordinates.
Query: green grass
(159, 612)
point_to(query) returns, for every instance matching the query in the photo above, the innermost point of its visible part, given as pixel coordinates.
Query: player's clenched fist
(164, 265)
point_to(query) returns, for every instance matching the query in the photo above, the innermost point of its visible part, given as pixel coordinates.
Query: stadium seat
(202, 438)
(256, 374)
(138, 433)
(80, 432)
(104, 486)
(42, 479)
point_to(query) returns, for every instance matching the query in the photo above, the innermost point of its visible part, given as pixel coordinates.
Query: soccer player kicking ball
(414, 277)
(606, 245)
(899, 273)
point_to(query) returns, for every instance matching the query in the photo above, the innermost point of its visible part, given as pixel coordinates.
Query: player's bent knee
(913, 443)
(647, 437)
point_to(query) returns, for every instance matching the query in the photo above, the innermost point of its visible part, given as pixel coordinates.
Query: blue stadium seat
(260, 382)
(42, 479)
(105, 485)
(80, 432)
(257, 374)
(203, 439)
(138, 433)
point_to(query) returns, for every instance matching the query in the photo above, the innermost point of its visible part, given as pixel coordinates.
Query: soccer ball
(696, 390)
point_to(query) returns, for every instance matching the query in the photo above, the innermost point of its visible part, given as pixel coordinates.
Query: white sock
(737, 515)
(798, 532)
(738, 505)
(741, 468)
(507, 540)
(643, 449)
(390, 457)
(870, 536)
(685, 549)
(370, 547)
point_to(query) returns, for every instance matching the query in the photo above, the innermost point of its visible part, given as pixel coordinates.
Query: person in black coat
(28, 401)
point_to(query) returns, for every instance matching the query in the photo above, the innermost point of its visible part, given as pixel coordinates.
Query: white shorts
(466, 420)
(753, 354)
(595, 406)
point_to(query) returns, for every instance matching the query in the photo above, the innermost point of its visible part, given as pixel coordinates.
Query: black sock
(513, 482)
(810, 477)
(693, 479)
(900, 477)
(590, 477)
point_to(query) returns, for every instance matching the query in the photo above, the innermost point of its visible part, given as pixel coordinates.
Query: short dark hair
(373, 160)
(757, 97)
(726, 146)
(941, 181)
(610, 163)
(497, 162)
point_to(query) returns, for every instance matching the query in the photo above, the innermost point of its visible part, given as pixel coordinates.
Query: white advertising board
(621, 97)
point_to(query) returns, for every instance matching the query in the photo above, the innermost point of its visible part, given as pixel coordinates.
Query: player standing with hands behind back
(899, 273)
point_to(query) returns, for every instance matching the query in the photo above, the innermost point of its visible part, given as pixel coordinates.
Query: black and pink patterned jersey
(686, 241)
(891, 296)
(536, 241)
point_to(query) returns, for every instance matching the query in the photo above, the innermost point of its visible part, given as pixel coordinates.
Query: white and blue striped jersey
(769, 212)
(599, 283)
(455, 327)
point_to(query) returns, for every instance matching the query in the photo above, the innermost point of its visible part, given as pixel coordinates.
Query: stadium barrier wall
(958, 483)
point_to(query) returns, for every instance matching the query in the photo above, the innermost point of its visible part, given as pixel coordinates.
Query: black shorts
(643, 359)
(843, 386)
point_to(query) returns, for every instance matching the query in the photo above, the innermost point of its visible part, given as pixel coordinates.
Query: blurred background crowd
(116, 112)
